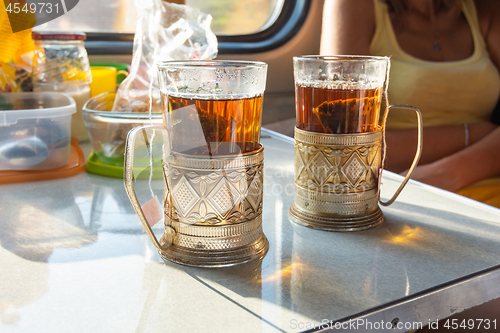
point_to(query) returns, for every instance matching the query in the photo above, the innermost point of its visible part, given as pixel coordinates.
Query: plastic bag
(165, 31)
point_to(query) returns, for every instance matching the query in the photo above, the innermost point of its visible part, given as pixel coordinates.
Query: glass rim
(211, 64)
(121, 115)
(335, 58)
(115, 114)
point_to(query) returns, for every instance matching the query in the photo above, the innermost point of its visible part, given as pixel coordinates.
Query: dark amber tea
(337, 110)
(214, 126)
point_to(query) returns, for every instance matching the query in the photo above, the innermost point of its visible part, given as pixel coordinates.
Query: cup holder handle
(128, 180)
(417, 155)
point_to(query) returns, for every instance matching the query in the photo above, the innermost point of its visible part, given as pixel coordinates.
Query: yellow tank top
(447, 93)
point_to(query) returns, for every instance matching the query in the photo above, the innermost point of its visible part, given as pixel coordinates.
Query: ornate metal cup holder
(337, 180)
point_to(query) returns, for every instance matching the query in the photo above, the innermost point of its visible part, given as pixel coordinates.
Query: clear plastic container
(35, 130)
(81, 94)
(61, 64)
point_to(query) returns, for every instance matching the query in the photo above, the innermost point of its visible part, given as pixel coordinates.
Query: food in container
(108, 130)
(61, 64)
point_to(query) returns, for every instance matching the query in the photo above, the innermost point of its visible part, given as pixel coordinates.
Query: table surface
(74, 258)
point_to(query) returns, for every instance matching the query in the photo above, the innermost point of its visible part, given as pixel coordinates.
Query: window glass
(230, 17)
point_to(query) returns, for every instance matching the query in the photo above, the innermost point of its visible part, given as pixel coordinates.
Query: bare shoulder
(488, 12)
(357, 13)
(348, 26)
(351, 5)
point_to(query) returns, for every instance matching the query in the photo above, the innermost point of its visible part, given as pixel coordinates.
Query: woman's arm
(477, 162)
(348, 27)
(488, 13)
(438, 142)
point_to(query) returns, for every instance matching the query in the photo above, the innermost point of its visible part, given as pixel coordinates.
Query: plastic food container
(108, 130)
(81, 94)
(35, 130)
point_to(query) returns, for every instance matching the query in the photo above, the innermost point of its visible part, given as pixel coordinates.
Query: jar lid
(58, 35)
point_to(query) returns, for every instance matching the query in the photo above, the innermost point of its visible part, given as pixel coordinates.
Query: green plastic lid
(96, 166)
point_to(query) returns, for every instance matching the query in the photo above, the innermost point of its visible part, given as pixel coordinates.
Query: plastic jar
(61, 64)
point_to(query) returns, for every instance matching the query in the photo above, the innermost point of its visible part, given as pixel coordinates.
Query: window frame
(289, 21)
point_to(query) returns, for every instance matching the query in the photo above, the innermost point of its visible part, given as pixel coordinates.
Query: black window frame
(291, 18)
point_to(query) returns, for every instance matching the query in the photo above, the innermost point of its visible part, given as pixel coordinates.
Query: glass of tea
(339, 94)
(212, 162)
(339, 141)
(213, 108)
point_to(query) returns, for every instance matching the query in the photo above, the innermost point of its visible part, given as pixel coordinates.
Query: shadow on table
(34, 223)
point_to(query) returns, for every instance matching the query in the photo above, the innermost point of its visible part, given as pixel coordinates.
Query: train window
(241, 26)
(241, 17)
(229, 17)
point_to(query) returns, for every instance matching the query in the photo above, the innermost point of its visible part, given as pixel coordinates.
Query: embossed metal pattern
(336, 179)
(217, 243)
(224, 162)
(219, 231)
(217, 257)
(331, 203)
(337, 208)
(214, 204)
(337, 139)
(336, 197)
(336, 168)
(206, 196)
(334, 222)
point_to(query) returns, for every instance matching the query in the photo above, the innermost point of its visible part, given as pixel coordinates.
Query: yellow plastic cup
(103, 79)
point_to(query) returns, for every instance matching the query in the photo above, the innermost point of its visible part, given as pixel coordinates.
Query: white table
(74, 258)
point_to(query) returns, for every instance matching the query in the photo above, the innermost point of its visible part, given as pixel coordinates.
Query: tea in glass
(332, 109)
(339, 94)
(220, 126)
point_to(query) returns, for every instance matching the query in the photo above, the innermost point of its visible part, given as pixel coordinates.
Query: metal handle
(417, 155)
(129, 178)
